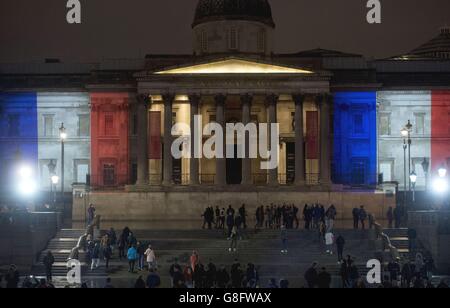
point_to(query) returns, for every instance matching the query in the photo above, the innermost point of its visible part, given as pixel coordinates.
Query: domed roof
(437, 46)
(254, 10)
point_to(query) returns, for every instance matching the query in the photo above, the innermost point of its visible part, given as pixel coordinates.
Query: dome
(438, 47)
(252, 10)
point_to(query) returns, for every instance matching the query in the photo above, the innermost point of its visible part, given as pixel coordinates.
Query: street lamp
(63, 138)
(413, 179)
(406, 134)
(55, 180)
(442, 172)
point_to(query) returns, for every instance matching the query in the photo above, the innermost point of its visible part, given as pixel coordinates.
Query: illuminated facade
(340, 117)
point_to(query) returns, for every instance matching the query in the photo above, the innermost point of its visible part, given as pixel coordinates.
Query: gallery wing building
(340, 119)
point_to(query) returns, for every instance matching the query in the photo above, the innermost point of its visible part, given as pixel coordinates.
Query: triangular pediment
(234, 66)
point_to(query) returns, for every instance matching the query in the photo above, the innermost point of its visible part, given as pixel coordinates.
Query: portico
(229, 91)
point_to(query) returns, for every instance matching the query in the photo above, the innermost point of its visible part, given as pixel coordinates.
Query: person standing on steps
(230, 224)
(311, 276)
(151, 258)
(324, 279)
(363, 217)
(234, 239)
(132, 256)
(91, 214)
(48, 262)
(390, 217)
(243, 214)
(95, 257)
(107, 254)
(340, 244)
(329, 241)
(355, 214)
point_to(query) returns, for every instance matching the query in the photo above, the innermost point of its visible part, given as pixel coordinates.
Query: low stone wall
(433, 231)
(189, 205)
(23, 240)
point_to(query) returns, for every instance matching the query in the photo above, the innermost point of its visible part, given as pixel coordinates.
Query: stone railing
(385, 241)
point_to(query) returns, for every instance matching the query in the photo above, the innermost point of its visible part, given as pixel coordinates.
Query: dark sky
(31, 30)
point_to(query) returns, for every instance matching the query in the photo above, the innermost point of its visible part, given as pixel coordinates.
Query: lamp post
(55, 180)
(406, 134)
(413, 179)
(426, 167)
(63, 138)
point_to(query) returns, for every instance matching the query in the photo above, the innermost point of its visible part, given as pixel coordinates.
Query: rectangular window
(84, 125)
(418, 169)
(109, 124)
(204, 41)
(109, 175)
(385, 124)
(358, 124)
(261, 40)
(386, 168)
(81, 170)
(233, 39)
(420, 123)
(13, 125)
(48, 125)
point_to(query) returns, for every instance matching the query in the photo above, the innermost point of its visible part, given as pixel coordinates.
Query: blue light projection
(355, 138)
(18, 134)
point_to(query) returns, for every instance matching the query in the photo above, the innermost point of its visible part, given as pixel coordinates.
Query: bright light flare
(440, 185)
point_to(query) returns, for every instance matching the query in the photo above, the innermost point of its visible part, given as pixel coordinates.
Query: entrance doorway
(234, 169)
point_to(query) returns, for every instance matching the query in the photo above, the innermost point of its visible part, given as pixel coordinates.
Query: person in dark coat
(223, 278)
(311, 276)
(394, 270)
(340, 243)
(324, 279)
(153, 279)
(140, 283)
(355, 214)
(230, 224)
(107, 254)
(243, 214)
(48, 262)
(12, 277)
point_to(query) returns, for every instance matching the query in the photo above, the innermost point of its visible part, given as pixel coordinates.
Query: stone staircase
(399, 239)
(260, 247)
(61, 246)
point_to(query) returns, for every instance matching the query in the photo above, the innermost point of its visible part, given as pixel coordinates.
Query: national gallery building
(340, 120)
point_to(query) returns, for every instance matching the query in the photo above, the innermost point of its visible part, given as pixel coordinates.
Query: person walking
(107, 255)
(48, 262)
(340, 244)
(234, 239)
(284, 240)
(91, 214)
(141, 255)
(153, 279)
(151, 258)
(95, 257)
(230, 224)
(329, 241)
(132, 256)
(243, 214)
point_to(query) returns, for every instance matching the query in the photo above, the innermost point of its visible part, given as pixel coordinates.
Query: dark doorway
(234, 169)
(290, 162)
(358, 172)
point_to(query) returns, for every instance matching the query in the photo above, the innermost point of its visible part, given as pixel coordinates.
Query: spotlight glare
(440, 185)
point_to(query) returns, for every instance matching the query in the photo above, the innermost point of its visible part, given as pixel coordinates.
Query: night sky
(34, 30)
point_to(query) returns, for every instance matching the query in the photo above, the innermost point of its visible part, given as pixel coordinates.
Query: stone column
(246, 101)
(299, 99)
(272, 101)
(143, 101)
(168, 172)
(194, 162)
(221, 164)
(324, 102)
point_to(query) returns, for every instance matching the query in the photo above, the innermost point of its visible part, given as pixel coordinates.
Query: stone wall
(189, 205)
